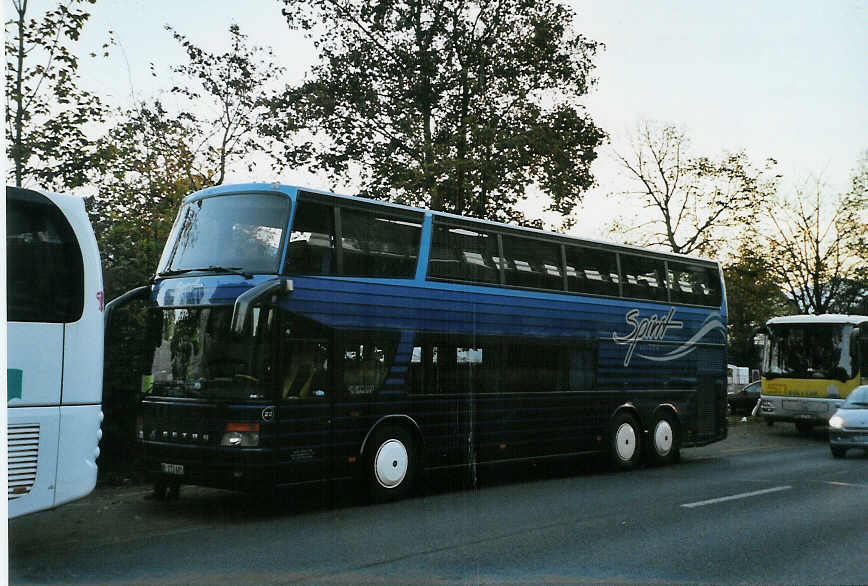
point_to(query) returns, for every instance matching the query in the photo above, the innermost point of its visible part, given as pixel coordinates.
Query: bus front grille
(22, 459)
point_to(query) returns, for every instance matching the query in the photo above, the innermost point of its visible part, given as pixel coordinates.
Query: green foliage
(234, 88)
(752, 298)
(152, 168)
(46, 112)
(154, 158)
(696, 203)
(454, 105)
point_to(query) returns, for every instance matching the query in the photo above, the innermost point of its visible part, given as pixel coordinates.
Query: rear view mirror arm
(253, 296)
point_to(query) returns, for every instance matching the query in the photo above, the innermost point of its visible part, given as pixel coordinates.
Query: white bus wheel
(391, 464)
(625, 442)
(664, 441)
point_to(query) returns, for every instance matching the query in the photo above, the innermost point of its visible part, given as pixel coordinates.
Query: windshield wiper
(209, 269)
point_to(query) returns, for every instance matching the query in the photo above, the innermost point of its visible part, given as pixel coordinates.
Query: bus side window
(532, 263)
(365, 366)
(583, 369)
(533, 368)
(311, 248)
(464, 255)
(45, 269)
(378, 245)
(591, 271)
(643, 277)
(307, 371)
(693, 284)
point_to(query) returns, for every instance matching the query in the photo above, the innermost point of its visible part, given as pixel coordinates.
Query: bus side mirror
(255, 296)
(142, 292)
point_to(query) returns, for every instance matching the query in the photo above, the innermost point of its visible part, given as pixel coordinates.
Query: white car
(848, 427)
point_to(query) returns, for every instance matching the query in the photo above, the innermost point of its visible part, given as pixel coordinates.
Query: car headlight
(836, 421)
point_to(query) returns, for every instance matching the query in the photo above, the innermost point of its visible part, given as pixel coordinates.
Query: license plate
(175, 469)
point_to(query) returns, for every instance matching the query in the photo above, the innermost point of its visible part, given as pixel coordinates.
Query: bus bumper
(245, 470)
(797, 410)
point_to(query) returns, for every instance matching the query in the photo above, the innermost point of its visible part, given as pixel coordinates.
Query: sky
(781, 79)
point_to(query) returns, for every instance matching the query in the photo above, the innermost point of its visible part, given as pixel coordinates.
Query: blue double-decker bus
(300, 336)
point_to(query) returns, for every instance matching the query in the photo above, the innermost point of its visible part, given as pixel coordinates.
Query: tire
(391, 464)
(161, 490)
(665, 445)
(805, 428)
(838, 452)
(625, 443)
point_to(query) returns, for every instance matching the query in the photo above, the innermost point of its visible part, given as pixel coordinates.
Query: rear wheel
(624, 442)
(805, 428)
(391, 464)
(161, 489)
(665, 442)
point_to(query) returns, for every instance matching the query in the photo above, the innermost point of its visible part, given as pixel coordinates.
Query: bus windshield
(819, 351)
(242, 231)
(197, 355)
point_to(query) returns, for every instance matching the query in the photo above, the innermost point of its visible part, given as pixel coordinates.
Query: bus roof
(289, 189)
(827, 318)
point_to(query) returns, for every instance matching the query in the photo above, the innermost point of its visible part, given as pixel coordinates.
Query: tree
(694, 201)
(152, 169)
(457, 105)
(46, 112)
(156, 158)
(752, 298)
(231, 92)
(809, 252)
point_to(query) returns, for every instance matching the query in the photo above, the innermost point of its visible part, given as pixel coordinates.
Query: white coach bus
(55, 350)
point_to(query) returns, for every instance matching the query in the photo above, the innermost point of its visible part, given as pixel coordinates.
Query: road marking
(733, 497)
(845, 484)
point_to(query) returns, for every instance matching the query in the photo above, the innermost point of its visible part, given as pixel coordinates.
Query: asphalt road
(764, 506)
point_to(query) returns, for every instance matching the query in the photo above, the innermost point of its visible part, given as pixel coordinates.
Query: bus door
(861, 363)
(306, 390)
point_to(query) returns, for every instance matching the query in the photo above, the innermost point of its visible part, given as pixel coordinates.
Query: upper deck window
(311, 249)
(590, 270)
(462, 254)
(373, 241)
(532, 263)
(243, 231)
(643, 277)
(378, 245)
(694, 284)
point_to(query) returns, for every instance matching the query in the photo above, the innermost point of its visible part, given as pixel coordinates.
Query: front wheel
(838, 452)
(665, 444)
(805, 428)
(624, 442)
(391, 464)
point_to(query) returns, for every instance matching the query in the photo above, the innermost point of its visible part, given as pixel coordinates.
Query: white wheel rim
(625, 441)
(391, 463)
(663, 437)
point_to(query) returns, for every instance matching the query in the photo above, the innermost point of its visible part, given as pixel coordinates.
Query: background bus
(300, 336)
(810, 365)
(55, 350)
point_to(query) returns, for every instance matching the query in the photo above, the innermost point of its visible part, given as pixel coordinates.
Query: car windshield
(198, 356)
(809, 351)
(229, 233)
(858, 399)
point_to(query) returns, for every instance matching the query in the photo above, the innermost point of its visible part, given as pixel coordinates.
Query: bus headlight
(240, 435)
(836, 422)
